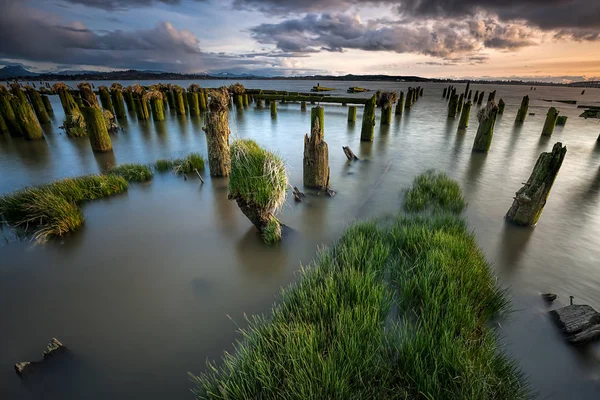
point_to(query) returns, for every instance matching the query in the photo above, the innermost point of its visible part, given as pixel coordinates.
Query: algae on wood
(38, 105)
(273, 109)
(30, 126)
(400, 104)
(217, 133)
(8, 114)
(47, 104)
(522, 113)
(485, 131)
(116, 94)
(368, 121)
(453, 106)
(530, 200)
(315, 170)
(352, 114)
(318, 113)
(97, 129)
(464, 116)
(550, 122)
(105, 99)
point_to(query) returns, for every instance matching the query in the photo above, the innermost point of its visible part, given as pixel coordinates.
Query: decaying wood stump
(52, 349)
(298, 195)
(530, 200)
(522, 113)
(400, 104)
(316, 159)
(580, 323)
(217, 133)
(368, 121)
(464, 116)
(453, 106)
(485, 131)
(352, 114)
(349, 153)
(550, 122)
(501, 107)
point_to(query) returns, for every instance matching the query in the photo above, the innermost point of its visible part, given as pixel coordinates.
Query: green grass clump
(435, 192)
(163, 165)
(132, 172)
(185, 165)
(272, 232)
(257, 176)
(393, 310)
(52, 210)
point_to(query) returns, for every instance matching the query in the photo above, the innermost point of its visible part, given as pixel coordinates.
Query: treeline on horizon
(143, 75)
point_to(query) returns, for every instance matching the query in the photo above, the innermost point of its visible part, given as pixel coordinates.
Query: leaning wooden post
(420, 92)
(202, 102)
(562, 120)
(522, 113)
(409, 98)
(30, 126)
(141, 106)
(501, 106)
(303, 106)
(464, 115)
(480, 100)
(368, 121)
(476, 97)
(318, 113)
(352, 114)
(156, 100)
(467, 89)
(461, 102)
(179, 101)
(273, 108)
(47, 104)
(3, 126)
(116, 95)
(105, 99)
(550, 123)
(530, 200)
(444, 93)
(453, 106)
(485, 131)
(315, 169)
(217, 133)
(193, 99)
(94, 120)
(38, 105)
(128, 96)
(400, 104)
(470, 94)
(492, 96)
(8, 114)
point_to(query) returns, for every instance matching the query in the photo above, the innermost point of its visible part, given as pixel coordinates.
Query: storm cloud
(122, 4)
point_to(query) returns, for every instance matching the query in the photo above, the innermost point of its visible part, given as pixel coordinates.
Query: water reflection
(267, 260)
(105, 160)
(473, 173)
(512, 247)
(225, 217)
(182, 123)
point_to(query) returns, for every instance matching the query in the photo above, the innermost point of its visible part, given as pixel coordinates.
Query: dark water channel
(159, 278)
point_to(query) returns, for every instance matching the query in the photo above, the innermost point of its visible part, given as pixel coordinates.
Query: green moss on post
(217, 133)
(105, 99)
(562, 120)
(18, 92)
(318, 112)
(480, 100)
(38, 105)
(522, 113)
(501, 107)
(156, 100)
(485, 131)
(368, 121)
(171, 99)
(315, 166)
(202, 100)
(246, 99)
(8, 114)
(3, 127)
(116, 95)
(29, 124)
(128, 97)
(47, 104)
(273, 109)
(400, 104)
(303, 106)
(550, 123)
(88, 97)
(96, 129)
(238, 101)
(386, 100)
(530, 200)
(179, 101)
(461, 102)
(352, 114)
(194, 103)
(453, 106)
(464, 116)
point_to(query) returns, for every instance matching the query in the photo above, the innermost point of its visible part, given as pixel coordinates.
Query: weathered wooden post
(38, 105)
(128, 96)
(464, 115)
(420, 92)
(492, 96)
(400, 104)
(480, 100)
(453, 106)
(522, 113)
(449, 92)
(246, 100)
(273, 108)
(485, 131)
(47, 104)
(3, 127)
(259, 104)
(30, 126)
(385, 100)
(202, 100)
(156, 100)
(467, 89)
(171, 98)
(193, 100)
(8, 114)
(105, 99)
(352, 114)
(530, 200)
(409, 98)
(562, 120)
(116, 95)
(94, 120)
(476, 97)
(318, 113)
(303, 106)
(470, 94)
(315, 170)
(550, 123)
(461, 101)
(179, 101)
(217, 133)
(368, 121)
(444, 93)
(141, 106)
(501, 106)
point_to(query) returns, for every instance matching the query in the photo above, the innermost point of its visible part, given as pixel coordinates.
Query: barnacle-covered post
(530, 200)
(105, 99)
(258, 184)
(116, 94)
(368, 121)
(464, 115)
(385, 101)
(156, 99)
(485, 131)
(38, 105)
(315, 170)
(522, 113)
(400, 104)
(8, 114)
(217, 133)
(30, 126)
(501, 106)
(550, 123)
(95, 121)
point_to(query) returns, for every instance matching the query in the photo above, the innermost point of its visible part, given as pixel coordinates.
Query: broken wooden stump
(368, 122)
(522, 113)
(461, 102)
(530, 200)
(400, 104)
(579, 322)
(480, 100)
(298, 195)
(485, 131)
(349, 153)
(492, 96)
(561, 120)
(315, 169)
(501, 107)
(550, 122)
(464, 116)
(53, 348)
(318, 113)
(453, 106)
(217, 133)
(549, 297)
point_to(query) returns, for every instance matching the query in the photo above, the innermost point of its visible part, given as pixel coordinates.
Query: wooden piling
(315, 164)
(303, 106)
(400, 104)
(453, 106)
(273, 109)
(352, 114)
(38, 105)
(105, 99)
(116, 95)
(318, 113)
(501, 106)
(217, 133)
(47, 104)
(178, 94)
(194, 103)
(485, 131)
(464, 115)
(368, 121)
(550, 122)
(8, 114)
(522, 113)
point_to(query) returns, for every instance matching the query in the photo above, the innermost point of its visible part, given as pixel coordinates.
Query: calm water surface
(159, 278)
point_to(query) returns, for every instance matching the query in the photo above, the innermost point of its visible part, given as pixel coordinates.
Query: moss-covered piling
(315, 166)
(386, 100)
(217, 133)
(318, 113)
(409, 98)
(550, 123)
(368, 121)
(88, 96)
(128, 97)
(492, 96)
(24, 114)
(179, 94)
(273, 109)
(8, 114)
(47, 104)
(118, 103)
(156, 100)
(522, 113)
(352, 114)
(202, 100)
(485, 131)
(95, 121)
(302, 106)
(193, 99)
(400, 104)
(464, 116)
(501, 107)
(38, 105)
(461, 102)
(480, 99)
(530, 200)
(105, 100)
(562, 120)
(453, 106)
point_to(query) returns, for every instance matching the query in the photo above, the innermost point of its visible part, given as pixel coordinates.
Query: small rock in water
(531, 113)
(549, 297)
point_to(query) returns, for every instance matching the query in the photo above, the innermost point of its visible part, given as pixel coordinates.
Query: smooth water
(158, 280)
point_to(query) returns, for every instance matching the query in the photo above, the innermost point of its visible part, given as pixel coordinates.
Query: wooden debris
(580, 323)
(349, 153)
(298, 195)
(549, 297)
(53, 348)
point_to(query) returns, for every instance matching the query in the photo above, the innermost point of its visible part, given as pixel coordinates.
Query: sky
(548, 40)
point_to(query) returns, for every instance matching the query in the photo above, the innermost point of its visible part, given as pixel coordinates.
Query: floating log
(321, 89)
(453, 106)
(368, 121)
(53, 348)
(561, 120)
(315, 170)
(355, 89)
(352, 114)
(485, 131)
(501, 107)
(530, 200)
(38, 105)
(400, 104)
(116, 95)
(464, 116)
(579, 323)
(217, 133)
(349, 153)
(105, 99)
(550, 122)
(522, 113)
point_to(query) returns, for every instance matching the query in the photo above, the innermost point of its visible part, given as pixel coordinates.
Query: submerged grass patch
(435, 192)
(52, 210)
(184, 165)
(395, 310)
(132, 172)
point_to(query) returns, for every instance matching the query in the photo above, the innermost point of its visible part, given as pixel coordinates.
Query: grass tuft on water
(46, 211)
(186, 165)
(433, 191)
(398, 309)
(132, 172)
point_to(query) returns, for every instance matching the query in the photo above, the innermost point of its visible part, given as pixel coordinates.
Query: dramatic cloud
(121, 4)
(336, 32)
